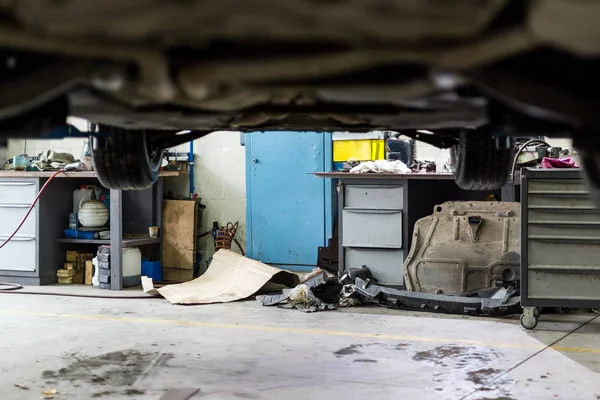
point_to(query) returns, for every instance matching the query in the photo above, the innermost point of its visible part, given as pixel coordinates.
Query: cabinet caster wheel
(529, 322)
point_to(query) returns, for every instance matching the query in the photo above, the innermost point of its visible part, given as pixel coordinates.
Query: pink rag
(567, 162)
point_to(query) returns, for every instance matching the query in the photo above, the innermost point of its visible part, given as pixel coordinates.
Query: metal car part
(499, 302)
(465, 246)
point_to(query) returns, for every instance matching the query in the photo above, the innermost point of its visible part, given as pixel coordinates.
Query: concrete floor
(138, 349)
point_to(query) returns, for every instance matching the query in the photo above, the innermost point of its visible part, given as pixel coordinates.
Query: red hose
(31, 207)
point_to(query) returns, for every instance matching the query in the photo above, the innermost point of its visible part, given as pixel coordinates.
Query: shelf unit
(50, 217)
(124, 242)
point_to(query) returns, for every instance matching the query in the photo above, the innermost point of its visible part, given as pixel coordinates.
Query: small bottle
(73, 224)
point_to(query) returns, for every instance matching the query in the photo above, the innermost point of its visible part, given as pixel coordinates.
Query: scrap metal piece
(465, 246)
(312, 295)
(351, 274)
(502, 301)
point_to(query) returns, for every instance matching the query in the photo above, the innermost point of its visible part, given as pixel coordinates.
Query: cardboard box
(65, 273)
(69, 265)
(71, 256)
(80, 267)
(89, 272)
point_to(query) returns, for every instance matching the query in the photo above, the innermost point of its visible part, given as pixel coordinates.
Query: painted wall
(35, 147)
(220, 180)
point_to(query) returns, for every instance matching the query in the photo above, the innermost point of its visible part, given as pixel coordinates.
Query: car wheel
(125, 159)
(478, 163)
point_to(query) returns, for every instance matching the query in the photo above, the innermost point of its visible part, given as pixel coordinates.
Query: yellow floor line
(302, 331)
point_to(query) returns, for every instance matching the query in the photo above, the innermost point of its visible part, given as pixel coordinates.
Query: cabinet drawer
(11, 216)
(372, 228)
(385, 264)
(373, 196)
(22, 192)
(19, 254)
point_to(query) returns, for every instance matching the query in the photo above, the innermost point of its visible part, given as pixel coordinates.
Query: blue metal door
(287, 213)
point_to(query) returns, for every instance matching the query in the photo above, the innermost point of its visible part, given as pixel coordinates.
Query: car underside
(475, 73)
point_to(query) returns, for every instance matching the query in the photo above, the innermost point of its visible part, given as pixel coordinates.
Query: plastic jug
(85, 191)
(131, 263)
(92, 213)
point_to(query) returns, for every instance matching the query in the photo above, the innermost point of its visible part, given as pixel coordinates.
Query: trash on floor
(317, 293)
(358, 287)
(230, 277)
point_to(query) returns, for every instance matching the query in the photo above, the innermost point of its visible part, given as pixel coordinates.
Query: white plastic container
(132, 266)
(95, 281)
(83, 192)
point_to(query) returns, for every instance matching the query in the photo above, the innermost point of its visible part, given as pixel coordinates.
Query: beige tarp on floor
(230, 277)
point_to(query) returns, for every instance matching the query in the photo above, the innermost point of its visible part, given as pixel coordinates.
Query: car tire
(124, 159)
(478, 163)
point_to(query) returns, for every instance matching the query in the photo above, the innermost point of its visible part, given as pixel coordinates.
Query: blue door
(288, 209)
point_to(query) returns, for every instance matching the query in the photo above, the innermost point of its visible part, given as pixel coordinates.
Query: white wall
(427, 152)
(74, 146)
(220, 180)
(34, 147)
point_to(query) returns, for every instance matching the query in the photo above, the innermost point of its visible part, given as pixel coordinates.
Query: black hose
(14, 288)
(9, 286)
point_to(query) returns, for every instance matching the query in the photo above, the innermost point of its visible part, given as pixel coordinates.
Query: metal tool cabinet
(560, 243)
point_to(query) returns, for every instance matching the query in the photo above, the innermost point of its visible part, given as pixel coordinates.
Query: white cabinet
(16, 196)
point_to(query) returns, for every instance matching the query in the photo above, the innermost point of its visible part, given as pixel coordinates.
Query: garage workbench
(34, 255)
(377, 213)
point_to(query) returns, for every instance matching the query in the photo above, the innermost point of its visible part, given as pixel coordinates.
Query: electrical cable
(519, 151)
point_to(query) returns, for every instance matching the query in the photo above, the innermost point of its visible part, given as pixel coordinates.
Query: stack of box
(80, 267)
(65, 275)
(77, 267)
(104, 267)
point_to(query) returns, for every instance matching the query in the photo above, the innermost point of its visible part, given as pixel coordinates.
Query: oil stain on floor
(119, 369)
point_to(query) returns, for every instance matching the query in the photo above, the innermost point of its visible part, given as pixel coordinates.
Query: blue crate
(152, 269)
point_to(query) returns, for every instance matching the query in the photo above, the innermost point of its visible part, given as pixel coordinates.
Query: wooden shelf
(74, 174)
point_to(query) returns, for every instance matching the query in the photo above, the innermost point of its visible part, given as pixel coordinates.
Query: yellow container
(360, 150)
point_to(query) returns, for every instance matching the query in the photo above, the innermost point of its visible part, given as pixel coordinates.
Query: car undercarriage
(475, 74)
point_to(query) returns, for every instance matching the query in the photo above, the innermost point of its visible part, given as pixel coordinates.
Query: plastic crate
(152, 269)
(360, 150)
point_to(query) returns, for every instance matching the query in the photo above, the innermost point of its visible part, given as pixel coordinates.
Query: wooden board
(89, 272)
(179, 234)
(177, 274)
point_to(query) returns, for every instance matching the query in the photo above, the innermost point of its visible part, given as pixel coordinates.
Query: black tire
(124, 159)
(478, 163)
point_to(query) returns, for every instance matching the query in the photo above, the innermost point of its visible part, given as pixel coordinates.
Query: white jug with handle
(92, 213)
